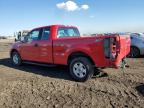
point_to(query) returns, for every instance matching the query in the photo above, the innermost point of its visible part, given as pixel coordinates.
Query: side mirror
(131, 37)
(24, 39)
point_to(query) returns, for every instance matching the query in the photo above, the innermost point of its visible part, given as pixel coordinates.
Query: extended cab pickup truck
(63, 45)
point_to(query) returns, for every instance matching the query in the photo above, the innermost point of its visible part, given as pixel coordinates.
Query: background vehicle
(137, 44)
(3, 37)
(62, 45)
(20, 35)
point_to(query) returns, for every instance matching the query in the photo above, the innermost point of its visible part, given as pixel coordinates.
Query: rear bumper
(109, 64)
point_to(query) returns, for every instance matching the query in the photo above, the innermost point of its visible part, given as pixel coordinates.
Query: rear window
(68, 32)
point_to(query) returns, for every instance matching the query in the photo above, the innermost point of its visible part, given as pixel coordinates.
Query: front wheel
(16, 59)
(81, 69)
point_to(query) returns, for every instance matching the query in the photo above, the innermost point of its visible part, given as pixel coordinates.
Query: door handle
(36, 45)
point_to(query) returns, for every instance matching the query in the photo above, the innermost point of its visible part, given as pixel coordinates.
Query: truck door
(45, 46)
(29, 50)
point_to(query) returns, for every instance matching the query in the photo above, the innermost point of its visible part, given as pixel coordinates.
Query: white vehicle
(137, 45)
(21, 34)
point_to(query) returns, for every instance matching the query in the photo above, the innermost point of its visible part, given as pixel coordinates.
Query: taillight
(111, 48)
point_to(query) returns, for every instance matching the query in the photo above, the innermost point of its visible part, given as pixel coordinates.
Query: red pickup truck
(63, 45)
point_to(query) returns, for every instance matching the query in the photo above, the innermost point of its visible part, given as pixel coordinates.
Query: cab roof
(56, 25)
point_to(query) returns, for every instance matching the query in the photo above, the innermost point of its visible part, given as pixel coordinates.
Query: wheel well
(136, 47)
(14, 50)
(79, 54)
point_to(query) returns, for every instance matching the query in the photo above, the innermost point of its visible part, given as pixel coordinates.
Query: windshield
(68, 32)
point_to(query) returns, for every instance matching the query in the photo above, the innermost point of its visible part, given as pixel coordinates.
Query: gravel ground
(31, 86)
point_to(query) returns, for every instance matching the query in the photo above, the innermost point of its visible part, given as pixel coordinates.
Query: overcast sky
(91, 16)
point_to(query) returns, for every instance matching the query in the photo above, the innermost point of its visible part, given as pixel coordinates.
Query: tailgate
(125, 43)
(116, 48)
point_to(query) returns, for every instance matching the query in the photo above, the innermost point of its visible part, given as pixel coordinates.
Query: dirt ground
(31, 86)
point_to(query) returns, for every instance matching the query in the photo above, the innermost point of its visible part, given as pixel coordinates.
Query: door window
(34, 35)
(45, 34)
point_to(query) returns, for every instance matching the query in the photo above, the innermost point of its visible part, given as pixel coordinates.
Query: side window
(34, 35)
(61, 33)
(45, 34)
(71, 32)
(68, 32)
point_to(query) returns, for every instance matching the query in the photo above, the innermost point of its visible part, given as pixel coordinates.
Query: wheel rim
(15, 59)
(79, 70)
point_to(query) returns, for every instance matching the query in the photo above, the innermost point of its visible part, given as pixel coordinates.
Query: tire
(16, 59)
(81, 69)
(134, 52)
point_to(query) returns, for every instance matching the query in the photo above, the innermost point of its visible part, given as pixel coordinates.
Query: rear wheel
(16, 59)
(134, 52)
(81, 69)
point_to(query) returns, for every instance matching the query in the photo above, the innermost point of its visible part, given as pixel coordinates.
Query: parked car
(137, 45)
(63, 45)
